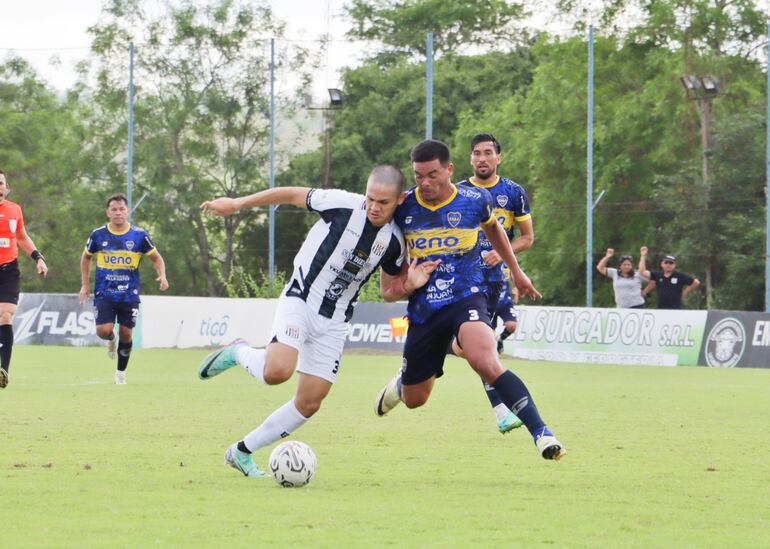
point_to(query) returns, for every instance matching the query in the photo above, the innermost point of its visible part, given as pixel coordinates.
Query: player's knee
(6, 318)
(414, 399)
(488, 369)
(277, 372)
(307, 406)
(125, 334)
(510, 327)
(104, 332)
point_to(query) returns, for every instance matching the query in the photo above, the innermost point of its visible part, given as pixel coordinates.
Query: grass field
(674, 457)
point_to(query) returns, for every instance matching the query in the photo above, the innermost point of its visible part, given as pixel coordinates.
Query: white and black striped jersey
(341, 252)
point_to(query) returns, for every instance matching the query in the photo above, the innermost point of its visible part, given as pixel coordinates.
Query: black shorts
(107, 311)
(10, 282)
(426, 344)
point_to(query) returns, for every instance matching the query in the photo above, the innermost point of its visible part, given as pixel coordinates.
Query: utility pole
(704, 90)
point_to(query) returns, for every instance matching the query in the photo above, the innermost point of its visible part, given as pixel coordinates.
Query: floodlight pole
(271, 174)
(130, 167)
(429, 86)
(767, 187)
(590, 171)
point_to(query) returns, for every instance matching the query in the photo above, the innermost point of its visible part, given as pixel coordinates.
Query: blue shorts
(107, 311)
(426, 344)
(500, 303)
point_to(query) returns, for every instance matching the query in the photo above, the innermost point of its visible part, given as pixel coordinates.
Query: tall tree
(40, 151)
(201, 116)
(457, 25)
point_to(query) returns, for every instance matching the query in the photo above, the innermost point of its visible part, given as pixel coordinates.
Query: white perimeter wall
(168, 321)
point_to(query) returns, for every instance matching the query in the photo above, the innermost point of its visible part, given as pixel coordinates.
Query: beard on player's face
(483, 172)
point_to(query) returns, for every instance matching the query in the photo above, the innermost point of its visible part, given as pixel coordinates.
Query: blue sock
(494, 398)
(515, 395)
(542, 431)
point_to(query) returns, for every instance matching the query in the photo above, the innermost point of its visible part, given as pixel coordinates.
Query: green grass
(657, 457)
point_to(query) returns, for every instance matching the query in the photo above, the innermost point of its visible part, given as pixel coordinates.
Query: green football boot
(242, 462)
(510, 422)
(220, 360)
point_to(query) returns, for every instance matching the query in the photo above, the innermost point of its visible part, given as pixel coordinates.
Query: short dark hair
(387, 174)
(431, 149)
(120, 197)
(483, 137)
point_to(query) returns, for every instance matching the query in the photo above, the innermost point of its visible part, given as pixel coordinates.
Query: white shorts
(318, 340)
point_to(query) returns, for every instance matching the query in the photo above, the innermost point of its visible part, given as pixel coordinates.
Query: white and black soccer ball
(292, 464)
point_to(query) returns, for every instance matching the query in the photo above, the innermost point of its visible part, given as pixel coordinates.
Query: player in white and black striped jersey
(354, 237)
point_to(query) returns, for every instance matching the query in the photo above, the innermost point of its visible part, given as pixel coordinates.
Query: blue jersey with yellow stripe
(117, 262)
(447, 231)
(509, 206)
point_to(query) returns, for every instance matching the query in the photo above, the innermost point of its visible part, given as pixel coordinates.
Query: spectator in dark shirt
(670, 285)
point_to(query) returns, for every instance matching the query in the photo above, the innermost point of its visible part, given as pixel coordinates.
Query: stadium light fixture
(691, 84)
(710, 86)
(335, 97)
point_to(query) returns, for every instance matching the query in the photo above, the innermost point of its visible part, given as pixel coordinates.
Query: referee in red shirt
(12, 236)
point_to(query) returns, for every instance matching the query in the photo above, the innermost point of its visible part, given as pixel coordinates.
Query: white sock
(252, 360)
(501, 410)
(278, 425)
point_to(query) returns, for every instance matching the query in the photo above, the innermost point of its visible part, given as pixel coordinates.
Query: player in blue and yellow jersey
(119, 248)
(511, 208)
(440, 222)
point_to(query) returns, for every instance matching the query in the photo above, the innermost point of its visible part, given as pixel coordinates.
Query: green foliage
(52, 179)
(401, 25)
(243, 284)
(202, 118)
(201, 131)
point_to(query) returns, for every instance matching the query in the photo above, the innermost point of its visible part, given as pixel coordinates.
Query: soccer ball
(292, 463)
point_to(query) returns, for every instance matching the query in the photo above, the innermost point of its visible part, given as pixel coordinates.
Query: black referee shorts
(10, 282)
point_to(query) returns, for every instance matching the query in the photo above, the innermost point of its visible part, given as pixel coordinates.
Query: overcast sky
(46, 30)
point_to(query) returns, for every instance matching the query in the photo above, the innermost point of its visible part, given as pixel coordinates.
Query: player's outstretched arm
(499, 240)
(293, 196)
(85, 273)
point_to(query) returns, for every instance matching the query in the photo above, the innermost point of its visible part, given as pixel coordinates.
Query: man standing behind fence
(670, 285)
(119, 249)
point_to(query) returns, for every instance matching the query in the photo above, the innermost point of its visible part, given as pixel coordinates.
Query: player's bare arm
(160, 269)
(26, 244)
(499, 240)
(523, 242)
(85, 273)
(526, 236)
(412, 276)
(224, 206)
